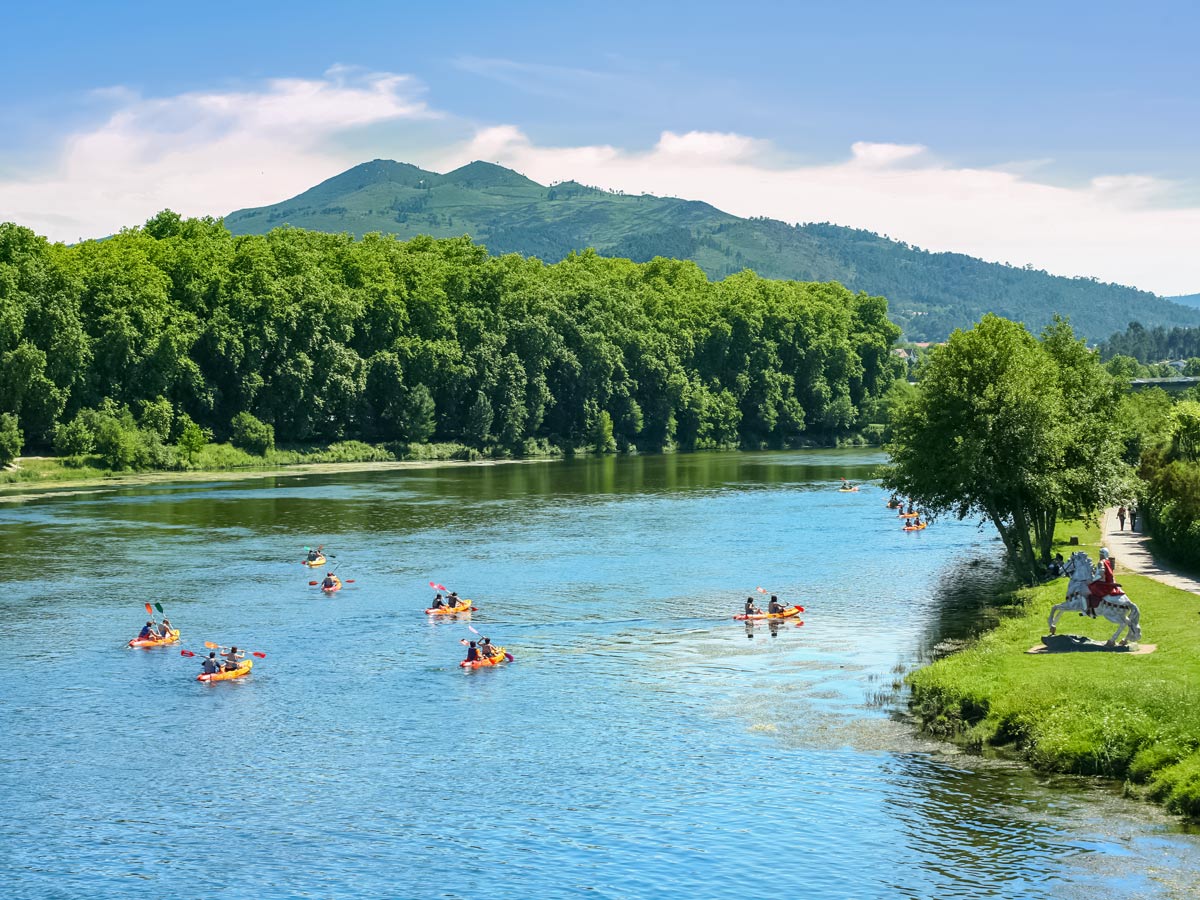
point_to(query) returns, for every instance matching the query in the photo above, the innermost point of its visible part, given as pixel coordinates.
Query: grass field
(1135, 718)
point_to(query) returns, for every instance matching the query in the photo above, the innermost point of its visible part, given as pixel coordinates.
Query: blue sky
(1054, 94)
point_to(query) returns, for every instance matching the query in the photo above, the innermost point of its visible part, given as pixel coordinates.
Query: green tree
(420, 415)
(251, 434)
(74, 438)
(479, 421)
(11, 438)
(192, 439)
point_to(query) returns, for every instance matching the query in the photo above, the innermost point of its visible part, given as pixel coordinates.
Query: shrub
(116, 444)
(252, 435)
(157, 416)
(11, 438)
(74, 438)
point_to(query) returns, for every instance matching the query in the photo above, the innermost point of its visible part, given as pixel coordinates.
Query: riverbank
(1132, 718)
(96, 480)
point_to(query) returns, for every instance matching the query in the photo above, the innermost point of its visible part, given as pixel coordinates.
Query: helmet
(1104, 553)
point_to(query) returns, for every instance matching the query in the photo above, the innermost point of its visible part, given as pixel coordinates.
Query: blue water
(642, 744)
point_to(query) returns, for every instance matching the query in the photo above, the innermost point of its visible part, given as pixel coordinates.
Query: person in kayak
(314, 555)
(453, 600)
(751, 608)
(437, 602)
(147, 633)
(233, 659)
(210, 665)
(488, 650)
(775, 607)
(165, 628)
(472, 652)
(328, 582)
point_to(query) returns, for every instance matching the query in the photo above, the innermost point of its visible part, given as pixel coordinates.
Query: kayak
(787, 613)
(240, 671)
(500, 657)
(452, 610)
(156, 642)
(907, 515)
(847, 490)
(337, 586)
(315, 563)
(915, 527)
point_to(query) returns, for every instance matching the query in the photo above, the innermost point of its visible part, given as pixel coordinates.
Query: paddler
(165, 628)
(328, 582)
(314, 555)
(437, 603)
(233, 659)
(472, 652)
(488, 650)
(453, 600)
(210, 665)
(751, 608)
(147, 633)
(775, 608)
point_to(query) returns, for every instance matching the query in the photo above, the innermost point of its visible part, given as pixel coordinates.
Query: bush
(252, 435)
(116, 444)
(157, 416)
(11, 438)
(74, 438)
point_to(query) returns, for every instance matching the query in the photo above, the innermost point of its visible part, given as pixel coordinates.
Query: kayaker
(328, 582)
(751, 608)
(165, 628)
(453, 601)
(147, 632)
(313, 555)
(911, 508)
(488, 650)
(233, 659)
(472, 652)
(437, 602)
(775, 607)
(211, 665)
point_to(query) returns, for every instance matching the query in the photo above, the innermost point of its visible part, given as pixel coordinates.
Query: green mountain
(929, 294)
(1192, 300)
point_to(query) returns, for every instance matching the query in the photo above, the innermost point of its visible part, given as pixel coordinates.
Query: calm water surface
(643, 743)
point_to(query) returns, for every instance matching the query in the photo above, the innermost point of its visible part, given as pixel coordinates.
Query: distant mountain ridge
(929, 294)
(1192, 300)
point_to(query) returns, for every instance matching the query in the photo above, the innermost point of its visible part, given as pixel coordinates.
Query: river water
(642, 744)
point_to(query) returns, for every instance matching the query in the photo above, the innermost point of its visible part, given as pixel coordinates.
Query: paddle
(765, 591)
(346, 581)
(211, 646)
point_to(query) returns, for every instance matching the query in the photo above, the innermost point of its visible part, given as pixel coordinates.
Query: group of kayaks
(912, 518)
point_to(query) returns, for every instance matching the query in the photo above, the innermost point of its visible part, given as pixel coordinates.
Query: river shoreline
(1131, 718)
(20, 492)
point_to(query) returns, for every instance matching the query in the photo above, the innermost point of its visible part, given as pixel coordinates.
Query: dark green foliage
(74, 438)
(11, 438)
(1170, 499)
(931, 294)
(324, 338)
(1149, 345)
(252, 435)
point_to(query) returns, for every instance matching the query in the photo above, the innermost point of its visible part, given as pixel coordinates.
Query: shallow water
(643, 743)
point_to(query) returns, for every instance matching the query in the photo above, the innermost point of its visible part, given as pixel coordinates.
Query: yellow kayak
(243, 669)
(171, 638)
(315, 563)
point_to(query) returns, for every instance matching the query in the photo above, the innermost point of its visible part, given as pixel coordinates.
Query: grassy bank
(1135, 718)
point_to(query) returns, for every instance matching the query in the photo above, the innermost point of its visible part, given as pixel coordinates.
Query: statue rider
(1104, 585)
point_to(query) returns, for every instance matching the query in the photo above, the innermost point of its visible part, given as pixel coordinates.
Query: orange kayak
(156, 642)
(464, 607)
(915, 527)
(240, 671)
(786, 614)
(337, 586)
(500, 657)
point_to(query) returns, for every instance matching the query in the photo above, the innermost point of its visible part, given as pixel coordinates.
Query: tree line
(1153, 345)
(178, 331)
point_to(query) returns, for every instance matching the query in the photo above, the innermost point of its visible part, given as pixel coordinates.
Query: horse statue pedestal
(1078, 643)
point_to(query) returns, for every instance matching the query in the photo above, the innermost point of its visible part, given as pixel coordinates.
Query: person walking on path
(1121, 516)
(1133, 552)
(1133, 518)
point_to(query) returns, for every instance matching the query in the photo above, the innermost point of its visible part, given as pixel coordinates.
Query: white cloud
(204, 153)
(1116, 228)
(212, 152)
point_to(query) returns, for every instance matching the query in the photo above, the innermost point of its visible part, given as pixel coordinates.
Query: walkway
(1132, 552)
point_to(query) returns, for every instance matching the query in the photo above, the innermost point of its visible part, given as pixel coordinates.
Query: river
(642, 743)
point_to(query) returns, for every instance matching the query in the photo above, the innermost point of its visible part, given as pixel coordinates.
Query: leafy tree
(479, 420)
(251, 434)
(419, 415)
(157, 416)
(11, 438)
(192, 439)
(74, 438)
(1010, 429)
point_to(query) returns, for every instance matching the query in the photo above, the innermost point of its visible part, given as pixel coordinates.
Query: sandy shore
(19, 493)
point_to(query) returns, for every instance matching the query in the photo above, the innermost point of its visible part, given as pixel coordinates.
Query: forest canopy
(186, 330)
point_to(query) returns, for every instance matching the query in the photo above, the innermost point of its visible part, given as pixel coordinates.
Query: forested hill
(929, 294)
(144, 337)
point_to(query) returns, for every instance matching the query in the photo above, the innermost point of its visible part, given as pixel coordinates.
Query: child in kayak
(472, 652)
(751, 608)
(233, 659)
(210, 665)
(488, 650)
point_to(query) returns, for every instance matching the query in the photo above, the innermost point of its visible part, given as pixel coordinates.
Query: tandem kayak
(337, 586)
(502, 656)
(240, 671)
(786, 614)
(847, 490)
(315, 563)
(464, 607)
(171, 638)
(915, 527)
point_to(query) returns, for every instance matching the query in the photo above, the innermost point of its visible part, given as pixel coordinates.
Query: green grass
(1135, 718)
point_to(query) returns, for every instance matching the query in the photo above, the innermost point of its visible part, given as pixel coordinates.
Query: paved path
(1132, 551)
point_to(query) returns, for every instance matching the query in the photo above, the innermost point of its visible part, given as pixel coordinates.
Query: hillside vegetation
(930, 294)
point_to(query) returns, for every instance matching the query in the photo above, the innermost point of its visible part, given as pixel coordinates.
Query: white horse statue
(1116, 608)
